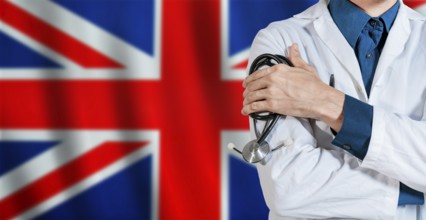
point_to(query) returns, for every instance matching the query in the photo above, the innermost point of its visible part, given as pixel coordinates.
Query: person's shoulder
(288, 29)
(417, 26)
(298, 22)
(412, 14)
(280, 32)
(279, 26)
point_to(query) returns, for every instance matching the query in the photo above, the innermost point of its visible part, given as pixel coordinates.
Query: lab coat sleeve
(398, 148)
(305, 180)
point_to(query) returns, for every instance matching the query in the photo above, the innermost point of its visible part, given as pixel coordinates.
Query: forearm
(397, 148)
(329, 107)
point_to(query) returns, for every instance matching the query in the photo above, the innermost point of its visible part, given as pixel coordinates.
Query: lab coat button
(346, 146)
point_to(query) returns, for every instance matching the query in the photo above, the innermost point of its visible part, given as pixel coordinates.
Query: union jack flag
(123, 109)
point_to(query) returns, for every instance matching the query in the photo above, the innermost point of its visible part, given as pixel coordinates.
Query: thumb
(297, 60)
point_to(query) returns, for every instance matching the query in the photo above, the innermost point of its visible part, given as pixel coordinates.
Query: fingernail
(296, 47)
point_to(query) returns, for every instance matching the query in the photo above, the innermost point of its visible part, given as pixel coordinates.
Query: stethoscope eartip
(231, 146)
(288, 142)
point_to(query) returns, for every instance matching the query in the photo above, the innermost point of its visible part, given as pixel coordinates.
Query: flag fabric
(123, 109)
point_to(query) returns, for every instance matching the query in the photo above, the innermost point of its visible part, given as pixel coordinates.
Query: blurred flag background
(122, 109)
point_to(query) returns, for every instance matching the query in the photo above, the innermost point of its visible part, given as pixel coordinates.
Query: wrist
(330, 108)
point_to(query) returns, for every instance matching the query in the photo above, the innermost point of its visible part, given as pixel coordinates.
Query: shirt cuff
(355, 134)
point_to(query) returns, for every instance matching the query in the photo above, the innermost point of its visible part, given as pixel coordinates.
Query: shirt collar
(350, 19)
(390, 15)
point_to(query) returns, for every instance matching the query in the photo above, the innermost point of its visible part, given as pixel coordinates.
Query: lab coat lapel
(394, 46)
(336, 42)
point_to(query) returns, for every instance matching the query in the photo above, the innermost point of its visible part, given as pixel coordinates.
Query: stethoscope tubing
(261, 61)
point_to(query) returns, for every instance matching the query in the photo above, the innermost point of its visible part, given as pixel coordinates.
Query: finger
(254, 107)
(256, 85)
(296, 58)
(260, 106)
(256, 96)
(298, 61)
(264, 72)
(257, 75)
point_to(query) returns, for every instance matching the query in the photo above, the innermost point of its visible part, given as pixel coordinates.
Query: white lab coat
(311, 178)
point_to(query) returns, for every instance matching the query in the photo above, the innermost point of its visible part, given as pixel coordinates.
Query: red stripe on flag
(414, 3)
(242, 65)
(190, 154)
(65, 177)
(53, 38)
(103, 104)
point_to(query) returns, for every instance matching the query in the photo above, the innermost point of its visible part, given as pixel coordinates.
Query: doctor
(359, 149)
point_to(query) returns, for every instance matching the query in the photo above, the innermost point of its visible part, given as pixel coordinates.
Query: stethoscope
(259, 150)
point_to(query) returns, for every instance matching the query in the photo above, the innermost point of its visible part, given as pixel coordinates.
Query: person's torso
(399, 84)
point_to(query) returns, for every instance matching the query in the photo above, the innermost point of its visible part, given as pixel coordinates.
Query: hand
(295, 91)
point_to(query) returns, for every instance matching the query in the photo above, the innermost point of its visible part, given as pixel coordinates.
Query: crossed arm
(296, 91)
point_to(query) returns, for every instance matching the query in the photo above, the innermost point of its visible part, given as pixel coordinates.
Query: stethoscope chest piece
(254, 152)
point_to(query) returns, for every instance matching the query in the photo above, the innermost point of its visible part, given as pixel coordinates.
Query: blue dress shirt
(367, 36)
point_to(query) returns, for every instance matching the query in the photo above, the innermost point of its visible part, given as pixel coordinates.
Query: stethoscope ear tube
(266, 60)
